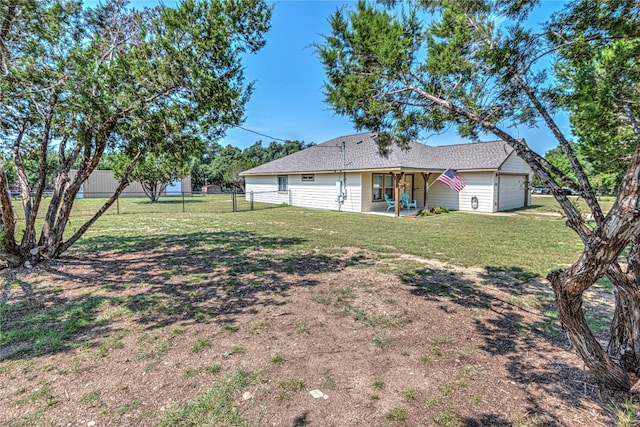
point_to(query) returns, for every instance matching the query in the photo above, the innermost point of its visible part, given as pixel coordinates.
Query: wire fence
(171, 202)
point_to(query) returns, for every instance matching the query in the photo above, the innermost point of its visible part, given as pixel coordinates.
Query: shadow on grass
(516, 324)
(157, 281)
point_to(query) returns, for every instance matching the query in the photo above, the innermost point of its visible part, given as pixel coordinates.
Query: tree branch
(4, 31)
(574, 219)
(587, 191)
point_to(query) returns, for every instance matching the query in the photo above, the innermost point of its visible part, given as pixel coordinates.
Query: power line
(262, 134)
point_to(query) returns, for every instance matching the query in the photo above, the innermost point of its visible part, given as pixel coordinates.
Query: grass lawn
(210, 203)
(209, 317)
(527, 240)
(535, 240)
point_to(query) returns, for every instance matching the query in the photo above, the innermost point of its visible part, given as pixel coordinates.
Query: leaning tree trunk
(600, 257)
(624, 344)
(568, 295)
(58, 246)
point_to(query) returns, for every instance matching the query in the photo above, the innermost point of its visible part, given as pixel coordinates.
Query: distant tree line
(221, 165)
(604, 172)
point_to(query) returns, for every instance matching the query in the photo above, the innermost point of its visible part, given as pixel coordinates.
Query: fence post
(183, 210)
(233, 201)
(118, 205)
(251, 199)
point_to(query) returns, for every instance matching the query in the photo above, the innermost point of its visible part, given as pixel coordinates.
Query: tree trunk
(624, 343)
(8, 249)
(124, 182)
(42, 167)
(577, 329)
(59, 187)
(153, 189)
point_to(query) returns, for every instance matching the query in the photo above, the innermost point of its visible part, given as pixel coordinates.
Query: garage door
(512, 190)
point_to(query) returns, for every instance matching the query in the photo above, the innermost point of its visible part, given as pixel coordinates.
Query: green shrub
(433, 211)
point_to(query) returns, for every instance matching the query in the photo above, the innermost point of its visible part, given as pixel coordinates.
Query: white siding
(353, 201)
(514, 178)
(515, 164)
(368, 205)
(418, 189)
(439, 195)
(512, 192)
(478, 185)
(265, 190)
(319, 193)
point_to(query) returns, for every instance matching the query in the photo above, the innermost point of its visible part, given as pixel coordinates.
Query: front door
(408, 188)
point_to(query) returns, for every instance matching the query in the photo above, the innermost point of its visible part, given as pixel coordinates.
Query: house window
(282, 183)
(382, 184)
(308, 178)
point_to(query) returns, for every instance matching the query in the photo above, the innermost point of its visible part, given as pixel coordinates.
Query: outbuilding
(102, 184)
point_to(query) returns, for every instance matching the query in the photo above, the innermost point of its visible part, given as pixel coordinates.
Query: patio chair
(390, 203)
(408, 203)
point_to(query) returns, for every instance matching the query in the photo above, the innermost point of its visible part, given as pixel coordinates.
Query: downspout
(497, 187)
(343, 181)
(339, 194)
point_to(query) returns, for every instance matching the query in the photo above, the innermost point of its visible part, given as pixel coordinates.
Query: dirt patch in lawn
(178, 337)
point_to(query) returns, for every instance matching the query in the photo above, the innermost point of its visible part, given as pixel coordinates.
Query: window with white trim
(282, 184)
(382, 183)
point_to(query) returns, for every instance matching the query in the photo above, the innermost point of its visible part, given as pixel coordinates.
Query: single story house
(349, 174)
(102, 184)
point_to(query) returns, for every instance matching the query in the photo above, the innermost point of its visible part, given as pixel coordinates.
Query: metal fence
(171, 202)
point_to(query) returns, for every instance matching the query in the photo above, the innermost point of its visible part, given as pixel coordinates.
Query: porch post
(426, 176)
(396, 185)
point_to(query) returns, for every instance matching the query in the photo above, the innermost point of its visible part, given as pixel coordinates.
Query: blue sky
(287, 102)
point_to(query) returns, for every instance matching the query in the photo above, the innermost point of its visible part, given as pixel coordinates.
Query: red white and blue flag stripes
(453, 180)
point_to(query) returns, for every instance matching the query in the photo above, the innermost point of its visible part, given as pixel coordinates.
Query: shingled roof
(361, 153)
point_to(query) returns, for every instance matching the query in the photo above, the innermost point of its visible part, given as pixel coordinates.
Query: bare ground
(440, 345)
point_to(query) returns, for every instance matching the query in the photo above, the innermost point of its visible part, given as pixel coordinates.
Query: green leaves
(82, 82)
(401, 69)
(367, 53)
(154, 172)
(599, 71)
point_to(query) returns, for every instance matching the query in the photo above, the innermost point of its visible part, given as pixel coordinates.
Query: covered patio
(388, 188)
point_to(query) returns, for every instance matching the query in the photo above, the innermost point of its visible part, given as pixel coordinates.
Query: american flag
(450, 178)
